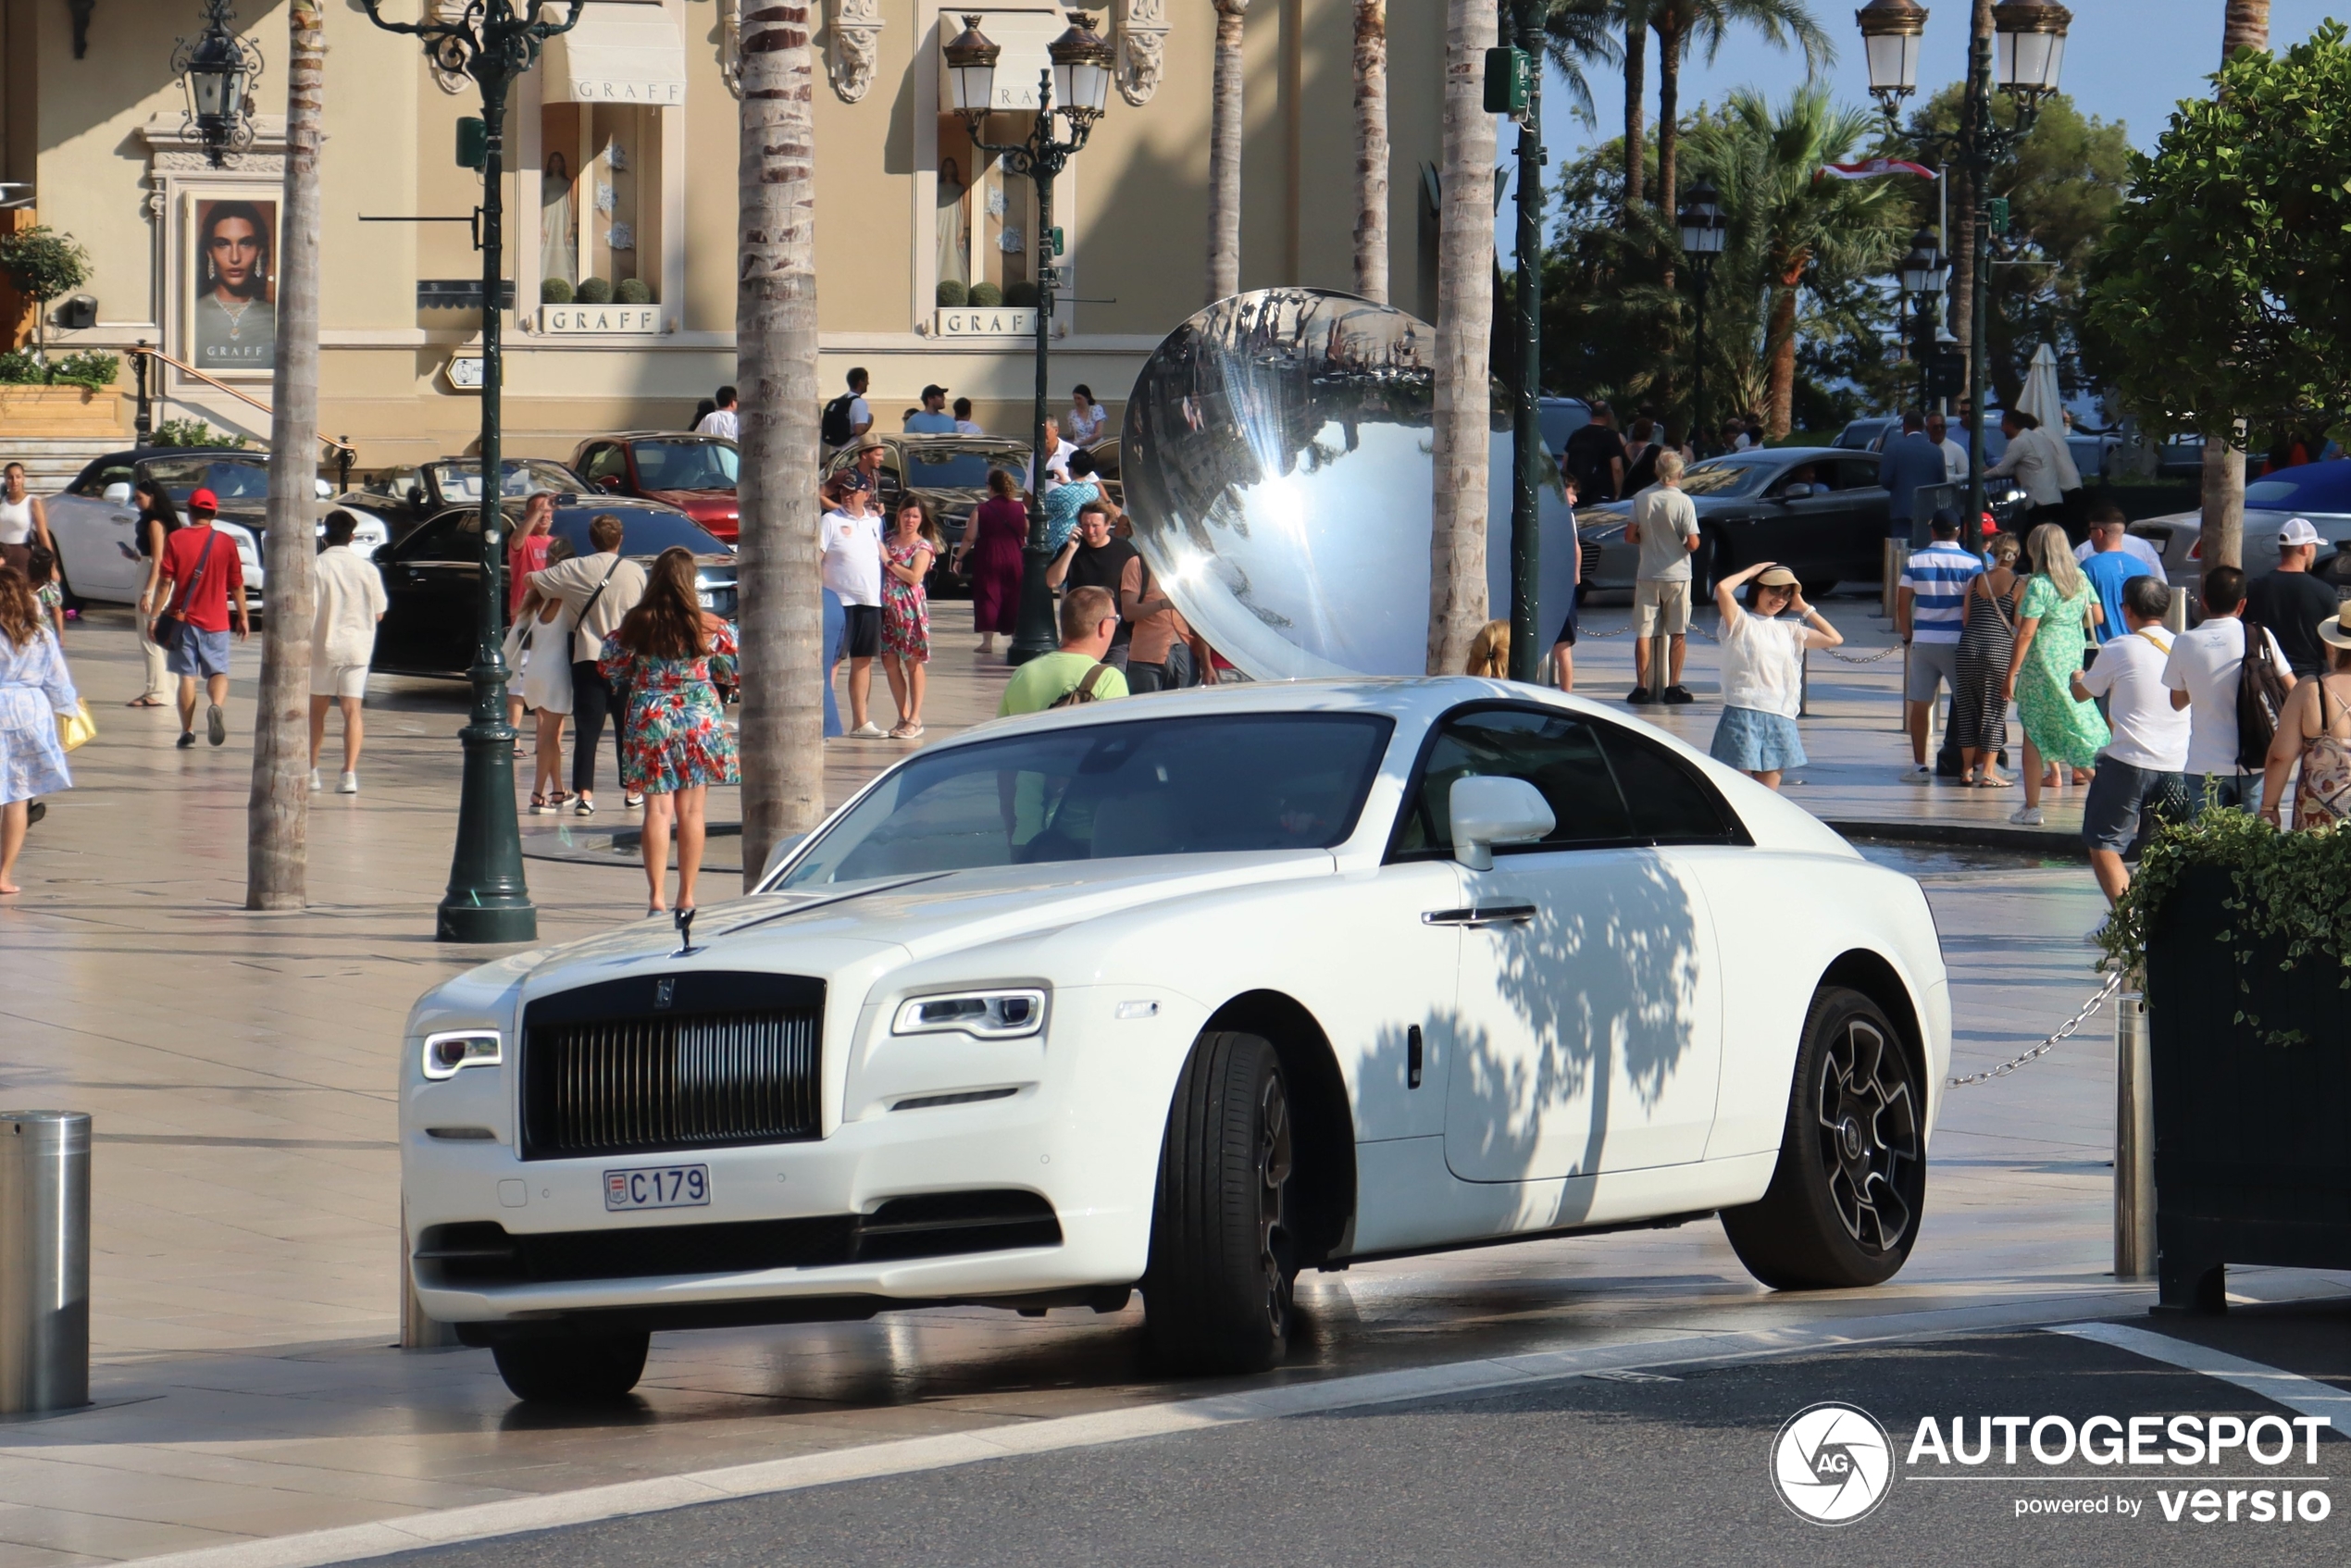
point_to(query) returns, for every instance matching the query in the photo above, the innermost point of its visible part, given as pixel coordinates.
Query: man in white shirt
(722, 420)
(342, 639)
(1938, 430)
(965, 424)
(852, 569)
(2205, 673)
(1056, 465)
(2140, 771)
(2038, 462)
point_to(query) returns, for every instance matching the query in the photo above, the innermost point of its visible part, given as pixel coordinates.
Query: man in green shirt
(1089, 620)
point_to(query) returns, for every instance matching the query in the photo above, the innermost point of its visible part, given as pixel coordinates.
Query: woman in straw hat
(2314, 729)
(1764, 670)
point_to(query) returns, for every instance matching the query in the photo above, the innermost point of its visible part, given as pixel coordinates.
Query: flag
(1873, 168)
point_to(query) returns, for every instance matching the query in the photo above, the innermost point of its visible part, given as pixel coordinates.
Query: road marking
(2305, 1396)
(516, 1516)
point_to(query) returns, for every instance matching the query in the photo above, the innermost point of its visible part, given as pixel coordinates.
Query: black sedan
(948, 471)
(433, 578)
(1818, 510)
(407, 497)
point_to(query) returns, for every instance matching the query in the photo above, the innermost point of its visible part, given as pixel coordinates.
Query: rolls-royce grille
(673, 1076)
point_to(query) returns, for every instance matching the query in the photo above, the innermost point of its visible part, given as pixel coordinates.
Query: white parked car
(1188, 992)
(95, 519)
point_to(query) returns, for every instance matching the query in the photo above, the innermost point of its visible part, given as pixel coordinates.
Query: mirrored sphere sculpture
(1277, 462)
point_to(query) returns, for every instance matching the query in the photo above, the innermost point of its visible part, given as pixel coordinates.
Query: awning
(1021, 34)
(622, 51)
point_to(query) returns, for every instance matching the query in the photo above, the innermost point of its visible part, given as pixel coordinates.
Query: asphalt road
(1672, 1465)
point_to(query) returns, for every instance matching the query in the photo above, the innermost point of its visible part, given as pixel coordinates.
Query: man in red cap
(201, 582)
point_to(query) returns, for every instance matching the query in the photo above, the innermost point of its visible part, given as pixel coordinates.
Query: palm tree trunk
(277, 808)
(782, 620)
(1370, 150)
(1464, 413)
(2245, 25)
(1779, 352)
(1672, 32)
(1960, 247)
(1637, 44)
(1225, 129)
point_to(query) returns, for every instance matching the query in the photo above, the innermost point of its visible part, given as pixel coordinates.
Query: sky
(2127, 60)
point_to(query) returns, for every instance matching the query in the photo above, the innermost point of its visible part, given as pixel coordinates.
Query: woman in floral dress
(2059, 608)
(671, 656)
(908, 550)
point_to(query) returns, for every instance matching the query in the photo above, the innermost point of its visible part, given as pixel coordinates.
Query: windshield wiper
(836, 898)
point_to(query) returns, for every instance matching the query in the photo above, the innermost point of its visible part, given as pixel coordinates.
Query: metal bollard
(44, 1261)
(2175, 614)
(1661, 663)
(2134, 1143)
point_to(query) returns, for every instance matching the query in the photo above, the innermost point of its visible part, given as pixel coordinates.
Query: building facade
(622, 152)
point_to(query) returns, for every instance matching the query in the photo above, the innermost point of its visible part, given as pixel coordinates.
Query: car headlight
(446, 1054)
(988, 1014)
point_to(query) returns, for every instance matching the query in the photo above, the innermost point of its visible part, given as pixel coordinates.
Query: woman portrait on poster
(236, 295)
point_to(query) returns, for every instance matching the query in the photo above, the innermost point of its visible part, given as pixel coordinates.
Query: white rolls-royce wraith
(1188, 992)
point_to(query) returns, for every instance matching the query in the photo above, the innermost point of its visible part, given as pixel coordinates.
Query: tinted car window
(641, 534)
(1670, 802)
(453, 536)
(685, 465)
(2312, 487)
(99, 475)
(1559, 753)
(1144, 787)
(605, 462)
(1854, 473)
(230, 479)
(1730, 476)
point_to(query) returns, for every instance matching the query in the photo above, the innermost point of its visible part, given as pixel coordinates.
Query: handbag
(169, 616)
(76, 728)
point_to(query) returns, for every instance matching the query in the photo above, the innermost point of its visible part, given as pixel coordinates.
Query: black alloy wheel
(1223, 1257)
(1844, 1204)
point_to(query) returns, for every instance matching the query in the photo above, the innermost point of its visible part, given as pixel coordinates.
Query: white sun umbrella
(2041, 398)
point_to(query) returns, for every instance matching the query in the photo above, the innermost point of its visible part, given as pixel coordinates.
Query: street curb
(1956, 835)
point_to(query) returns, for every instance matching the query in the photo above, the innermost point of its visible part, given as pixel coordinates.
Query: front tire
(572, 1368)
(1843, 1204)
(1217, 1291)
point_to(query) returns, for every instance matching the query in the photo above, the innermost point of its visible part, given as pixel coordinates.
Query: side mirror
(416, 495)
(1486, 811)
(782, 852)
(119, 494)
(1800, 492)
(610, 484)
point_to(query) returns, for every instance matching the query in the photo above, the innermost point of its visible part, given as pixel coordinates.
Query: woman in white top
(1086, 417)
(23, 523)
(1763, 671)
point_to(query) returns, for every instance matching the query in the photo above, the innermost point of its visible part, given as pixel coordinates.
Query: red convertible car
(694, 473)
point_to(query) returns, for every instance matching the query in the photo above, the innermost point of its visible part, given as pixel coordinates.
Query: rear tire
(1217, 1291)
(1843, 1204)
(560, 1368)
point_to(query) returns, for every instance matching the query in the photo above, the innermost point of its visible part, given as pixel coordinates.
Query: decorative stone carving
(449, 81)
(853, 47)
(1142, 48)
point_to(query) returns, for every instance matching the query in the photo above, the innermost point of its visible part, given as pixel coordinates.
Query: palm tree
(2243, 25)
(277, 808)
(1576, 32)
(1463, 426)
(1792, 232)
(1370, 150)
(783, 722)
(1683, 24)
(1224, 131)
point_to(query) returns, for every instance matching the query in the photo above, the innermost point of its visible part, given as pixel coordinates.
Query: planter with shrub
(593, 291)
(953, 294)
(1021, 296)
(986, 295)
(556, 291)
(631, 290)
(2244, 934)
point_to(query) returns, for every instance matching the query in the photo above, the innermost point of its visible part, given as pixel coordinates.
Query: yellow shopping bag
(76, 727)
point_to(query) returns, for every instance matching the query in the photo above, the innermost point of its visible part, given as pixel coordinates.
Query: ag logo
(1833, 1464)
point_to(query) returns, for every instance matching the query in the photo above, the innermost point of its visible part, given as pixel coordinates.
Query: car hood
(696, 501)
(894, 921)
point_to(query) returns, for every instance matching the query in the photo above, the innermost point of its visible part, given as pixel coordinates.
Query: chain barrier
(2113, 984)
(1865, 659)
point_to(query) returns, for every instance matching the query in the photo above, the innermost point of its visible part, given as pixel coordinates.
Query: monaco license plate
(658, 1187)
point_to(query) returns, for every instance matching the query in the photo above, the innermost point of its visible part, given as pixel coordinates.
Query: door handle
(1485, 915)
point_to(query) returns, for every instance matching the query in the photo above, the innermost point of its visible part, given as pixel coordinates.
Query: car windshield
(946, 465)
(1730, 476)
(685, 465)
(1146, 787)
(2308, 487)
(462, 481)
(232, 480)
(641, 534)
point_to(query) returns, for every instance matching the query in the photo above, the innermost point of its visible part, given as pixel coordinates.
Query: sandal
(539, 806)
(145, 703)
(1993, 782)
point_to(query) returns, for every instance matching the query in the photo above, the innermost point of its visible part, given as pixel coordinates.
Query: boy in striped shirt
(1930, 610)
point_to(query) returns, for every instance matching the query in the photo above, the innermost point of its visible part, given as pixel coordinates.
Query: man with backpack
(2138, 778)
(2232, 701)
(846, 418)
(1076, 673)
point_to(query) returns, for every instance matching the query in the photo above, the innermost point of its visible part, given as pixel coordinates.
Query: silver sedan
(2318, 493)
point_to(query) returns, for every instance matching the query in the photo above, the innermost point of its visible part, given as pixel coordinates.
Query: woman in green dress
(2059, 609)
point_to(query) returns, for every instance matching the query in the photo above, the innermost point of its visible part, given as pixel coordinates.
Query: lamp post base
(1038, 634)
(488, 901)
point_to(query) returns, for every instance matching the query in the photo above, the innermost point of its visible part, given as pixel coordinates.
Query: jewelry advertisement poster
(232, 264)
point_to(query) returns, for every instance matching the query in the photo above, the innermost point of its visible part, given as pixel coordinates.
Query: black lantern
(1924, 271)
(1701, 222)
(218, 71)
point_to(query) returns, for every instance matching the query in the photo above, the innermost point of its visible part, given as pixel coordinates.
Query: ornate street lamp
(1703, 230)
(493, 42)
(1923, 273)
(2030, 38)
(216, 71)
(1923, 270)
(1080, 74)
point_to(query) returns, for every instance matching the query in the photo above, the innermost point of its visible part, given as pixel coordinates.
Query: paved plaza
(240, 1068)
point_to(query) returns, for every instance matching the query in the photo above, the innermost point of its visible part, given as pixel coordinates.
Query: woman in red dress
(991, 557)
